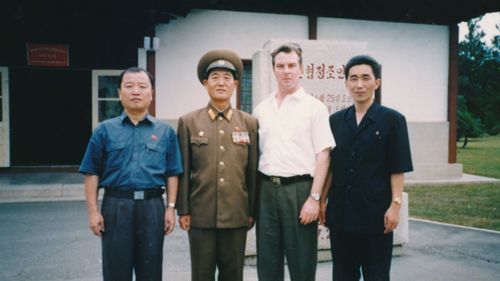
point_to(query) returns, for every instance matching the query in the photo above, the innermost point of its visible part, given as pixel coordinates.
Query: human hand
(169, 220)
(185, 222)
(391, 218)
(251, 222)
(96, 223)
(309, 212)
(322, 212)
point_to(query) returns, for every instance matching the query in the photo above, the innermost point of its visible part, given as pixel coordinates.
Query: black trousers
(280, 234)
(133, 239)
(372, 253)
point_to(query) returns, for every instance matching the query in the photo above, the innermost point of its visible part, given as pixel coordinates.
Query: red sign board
(48, 55)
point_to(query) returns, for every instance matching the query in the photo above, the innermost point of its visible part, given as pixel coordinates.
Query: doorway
(51, 114)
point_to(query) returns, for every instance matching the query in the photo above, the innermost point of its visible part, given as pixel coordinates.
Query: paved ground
(49, 241)
(44, 240)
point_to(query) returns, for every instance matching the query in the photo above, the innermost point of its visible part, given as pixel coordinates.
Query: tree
(478, 84)
(468, 126)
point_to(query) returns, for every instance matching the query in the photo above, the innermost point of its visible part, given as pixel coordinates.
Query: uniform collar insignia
(213, 113)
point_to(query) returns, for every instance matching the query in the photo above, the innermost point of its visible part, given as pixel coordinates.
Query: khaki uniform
(220, 155)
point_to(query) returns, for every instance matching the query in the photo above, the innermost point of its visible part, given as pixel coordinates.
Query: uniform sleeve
(183, 207)
(399, 152)
(93, 159)
(174, 161)
(321, 133)
(252, 166)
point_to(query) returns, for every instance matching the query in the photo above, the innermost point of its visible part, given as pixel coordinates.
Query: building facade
(48, 109)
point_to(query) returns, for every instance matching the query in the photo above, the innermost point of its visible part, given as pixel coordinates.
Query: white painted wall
(183, 41)
(414, 56)
(414, 60)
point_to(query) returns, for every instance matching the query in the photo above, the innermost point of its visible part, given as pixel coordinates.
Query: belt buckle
(139, 195)
(276, 180)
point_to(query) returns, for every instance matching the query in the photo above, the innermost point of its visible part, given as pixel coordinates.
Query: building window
(245, 90)
(105, 101)
(1, 101)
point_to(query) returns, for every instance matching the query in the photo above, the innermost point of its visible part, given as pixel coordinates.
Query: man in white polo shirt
(295, 143)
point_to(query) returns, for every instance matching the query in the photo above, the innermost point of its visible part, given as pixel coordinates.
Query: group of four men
(226, 170)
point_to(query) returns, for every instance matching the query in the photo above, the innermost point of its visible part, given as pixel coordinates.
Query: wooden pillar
(151, 67)
(313, 27)
(453, 93)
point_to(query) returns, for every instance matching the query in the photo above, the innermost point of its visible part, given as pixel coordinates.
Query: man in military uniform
(219, 146)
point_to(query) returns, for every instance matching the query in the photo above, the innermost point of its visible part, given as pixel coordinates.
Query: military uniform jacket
(220, 157)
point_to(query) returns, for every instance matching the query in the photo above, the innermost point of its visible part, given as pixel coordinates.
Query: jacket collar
(213, 112)
(370, 117)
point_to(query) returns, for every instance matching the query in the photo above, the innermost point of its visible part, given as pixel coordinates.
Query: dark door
(50, 116)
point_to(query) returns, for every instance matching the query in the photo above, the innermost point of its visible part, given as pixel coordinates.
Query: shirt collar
(213, 112)
(148, 117)
(298, 95)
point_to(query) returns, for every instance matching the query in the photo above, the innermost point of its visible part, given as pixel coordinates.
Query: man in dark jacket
(367, 177)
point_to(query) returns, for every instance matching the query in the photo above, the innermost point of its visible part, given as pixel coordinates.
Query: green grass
(481, 156)
(469, 205)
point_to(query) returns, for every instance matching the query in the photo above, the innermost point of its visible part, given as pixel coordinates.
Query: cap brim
(215, 55)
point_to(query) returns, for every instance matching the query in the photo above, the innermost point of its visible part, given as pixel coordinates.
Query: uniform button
(353, 153)
(221, 179)
(221, 132)
(351, 170)
(221, 163)
(348, 187)
(220, 118)
(222, 147)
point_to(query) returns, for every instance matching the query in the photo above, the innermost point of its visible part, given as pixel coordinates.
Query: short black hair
(135, 69)
(288, 48)
(363, 59)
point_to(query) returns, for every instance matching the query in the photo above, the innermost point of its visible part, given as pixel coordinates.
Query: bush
(494, 131)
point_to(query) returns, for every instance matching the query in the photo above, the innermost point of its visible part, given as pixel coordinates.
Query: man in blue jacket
(132, 157)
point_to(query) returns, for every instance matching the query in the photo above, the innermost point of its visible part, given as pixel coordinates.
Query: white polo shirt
(291, 135)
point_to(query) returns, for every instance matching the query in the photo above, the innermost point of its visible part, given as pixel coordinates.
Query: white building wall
(183, 41)
(414, 60)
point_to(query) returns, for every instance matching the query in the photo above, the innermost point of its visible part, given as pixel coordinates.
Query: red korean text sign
(50, 55)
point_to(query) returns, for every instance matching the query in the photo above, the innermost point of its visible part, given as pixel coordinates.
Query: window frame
(95, 92)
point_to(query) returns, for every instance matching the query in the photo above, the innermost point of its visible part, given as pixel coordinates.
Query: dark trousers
(372, 253)
(133, 239)
(280, 234)
(214, 247)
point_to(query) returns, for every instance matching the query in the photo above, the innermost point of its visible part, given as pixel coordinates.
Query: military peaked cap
(224, 59)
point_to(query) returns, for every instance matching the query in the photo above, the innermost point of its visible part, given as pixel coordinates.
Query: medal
(241, 138)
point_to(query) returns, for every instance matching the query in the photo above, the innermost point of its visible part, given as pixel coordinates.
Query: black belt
(286, 180)
(142, 194)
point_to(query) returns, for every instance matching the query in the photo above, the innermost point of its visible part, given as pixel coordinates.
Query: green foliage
(478, 83)
(468, 125)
